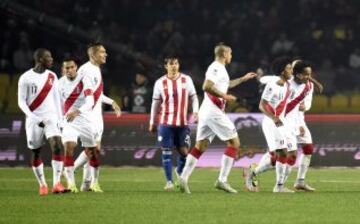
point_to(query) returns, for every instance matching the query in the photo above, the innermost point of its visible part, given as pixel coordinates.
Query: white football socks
(304, 164)
(57, 169)
(227, 163)
(81, 160)
(39, 174)
(189, 167)
(264, 164)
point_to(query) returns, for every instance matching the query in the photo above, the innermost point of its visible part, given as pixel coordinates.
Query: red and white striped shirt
(174, 97)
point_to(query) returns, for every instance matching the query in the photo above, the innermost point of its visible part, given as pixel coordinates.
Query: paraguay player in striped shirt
(172, 93)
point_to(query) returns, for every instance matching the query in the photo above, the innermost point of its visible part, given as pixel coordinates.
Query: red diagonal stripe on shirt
(43, 93)
(73, 96)
(217, 101)
(280, 108)
(292, 104)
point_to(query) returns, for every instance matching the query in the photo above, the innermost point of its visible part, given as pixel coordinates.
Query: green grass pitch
(135, 195)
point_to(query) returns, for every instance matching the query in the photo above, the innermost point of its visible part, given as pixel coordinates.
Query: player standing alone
(213, 120)
(38, 98)
(173, 91)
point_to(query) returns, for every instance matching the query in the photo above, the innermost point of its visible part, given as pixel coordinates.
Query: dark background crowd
(139, 34)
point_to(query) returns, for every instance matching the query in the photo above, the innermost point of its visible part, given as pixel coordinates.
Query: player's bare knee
(234, 143)
(202, 145)
(55, 145)
(36, 153)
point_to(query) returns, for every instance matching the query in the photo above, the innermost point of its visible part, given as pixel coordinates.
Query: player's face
(46, 59)
(228, 56)
(172, 67)
(288, 71)
(305, 75)
(100, 55)
(69, 69)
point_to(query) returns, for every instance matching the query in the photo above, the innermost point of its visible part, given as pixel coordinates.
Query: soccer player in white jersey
(173, 92)
(76, 92)
(97, 57)
(38, 98)
(213, 120)
(273, 105)
(301, 91)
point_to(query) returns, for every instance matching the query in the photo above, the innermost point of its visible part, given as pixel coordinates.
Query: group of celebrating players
(286, 96)
(64, 111)
(70, 108)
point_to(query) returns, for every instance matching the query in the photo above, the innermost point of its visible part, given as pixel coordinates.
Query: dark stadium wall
(126, 141)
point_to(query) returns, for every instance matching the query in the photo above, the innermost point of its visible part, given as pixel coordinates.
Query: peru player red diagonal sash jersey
(38, 95)
(94, 74)
(73, 94)
(276, 97)
(174, 96)
(43, 93)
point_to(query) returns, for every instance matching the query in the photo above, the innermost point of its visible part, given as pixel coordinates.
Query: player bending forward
(213, 120)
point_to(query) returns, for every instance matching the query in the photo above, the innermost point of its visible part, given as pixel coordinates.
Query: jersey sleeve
(88, 86)
(212, 74)
(268, 92)
(308, 98)
(106, 100)
(57, 98)
(157, 91)
(22, 96)
(191, 87)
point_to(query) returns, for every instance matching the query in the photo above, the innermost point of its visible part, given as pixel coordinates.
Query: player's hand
(195, 117)
(152, 128)
(302, 106)
(302, 131)
(117, 109)
(72, 115)
(229, 97)
(248, 76)
(278, 122)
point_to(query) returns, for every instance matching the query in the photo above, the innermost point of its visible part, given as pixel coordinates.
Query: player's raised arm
(235, 82)
(22, 94)
(318, 86)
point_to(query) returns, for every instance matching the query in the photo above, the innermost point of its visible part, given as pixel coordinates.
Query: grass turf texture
(135, 195)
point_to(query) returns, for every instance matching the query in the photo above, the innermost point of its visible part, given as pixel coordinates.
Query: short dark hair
(94, 44)
(169, 58)
(39, 53)
(279, 64)
(71, 58)
(300, 66)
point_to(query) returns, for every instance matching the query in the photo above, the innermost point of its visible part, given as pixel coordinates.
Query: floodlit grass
(135, 195)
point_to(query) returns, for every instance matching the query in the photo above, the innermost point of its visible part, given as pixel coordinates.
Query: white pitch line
(341, 181)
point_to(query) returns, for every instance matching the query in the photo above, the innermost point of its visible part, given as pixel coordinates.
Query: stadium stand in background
(325, 32)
